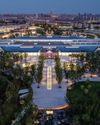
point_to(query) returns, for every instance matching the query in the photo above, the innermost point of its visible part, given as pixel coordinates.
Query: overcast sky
(45, 6)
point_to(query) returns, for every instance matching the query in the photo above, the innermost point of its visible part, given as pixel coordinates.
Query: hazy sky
(44, 6)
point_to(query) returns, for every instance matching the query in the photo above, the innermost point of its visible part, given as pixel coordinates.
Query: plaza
(49, 96)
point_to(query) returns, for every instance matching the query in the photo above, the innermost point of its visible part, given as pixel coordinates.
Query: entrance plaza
(49, 95)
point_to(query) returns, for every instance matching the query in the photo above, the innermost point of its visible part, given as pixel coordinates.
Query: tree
(33, 71)
(12, 78)
(39, 71)
(58, 70)
(84, 103)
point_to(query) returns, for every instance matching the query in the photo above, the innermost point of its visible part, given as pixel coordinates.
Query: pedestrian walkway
(49, 77)
(49, 95)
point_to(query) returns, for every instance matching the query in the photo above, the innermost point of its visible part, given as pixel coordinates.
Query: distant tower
(36, 16)
(51, 13)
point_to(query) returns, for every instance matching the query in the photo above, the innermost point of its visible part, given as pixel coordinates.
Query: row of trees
(39, 71)
(58, 70)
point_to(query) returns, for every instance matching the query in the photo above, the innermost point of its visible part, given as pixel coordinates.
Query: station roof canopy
(79, 49)
(57, 49)
(20, 49)
(55, 44)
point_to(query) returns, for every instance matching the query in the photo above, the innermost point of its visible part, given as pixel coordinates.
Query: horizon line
(13, 13)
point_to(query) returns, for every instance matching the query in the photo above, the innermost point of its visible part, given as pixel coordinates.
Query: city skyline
(46, 6)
